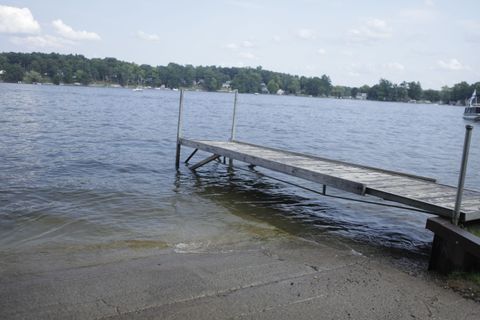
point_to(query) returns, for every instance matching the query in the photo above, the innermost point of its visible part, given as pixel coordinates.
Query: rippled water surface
(95, 166)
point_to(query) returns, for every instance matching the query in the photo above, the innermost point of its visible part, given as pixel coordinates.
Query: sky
(436, 42)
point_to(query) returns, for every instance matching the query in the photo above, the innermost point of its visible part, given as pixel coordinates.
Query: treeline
(385, 90)
(70, 69)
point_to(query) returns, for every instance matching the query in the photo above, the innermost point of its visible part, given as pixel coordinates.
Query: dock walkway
(415, 191)
(411, 190)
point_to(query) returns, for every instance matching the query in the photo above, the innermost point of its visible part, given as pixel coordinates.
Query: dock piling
(463, 171)
(234, 123)
(179, 130)
(234, 118)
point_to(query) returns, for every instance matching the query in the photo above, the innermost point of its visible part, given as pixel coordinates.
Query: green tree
(414, 90)
(293, 85)
(32, 77)
(431, 95)
(13, 73)
(247, 81)
(83, 77)
(461, 91)
(272, 86)
(354, 92)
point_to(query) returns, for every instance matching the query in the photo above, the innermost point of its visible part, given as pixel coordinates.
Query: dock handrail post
(234, 119)
(463, 171)
(179, 130)
(234, 123)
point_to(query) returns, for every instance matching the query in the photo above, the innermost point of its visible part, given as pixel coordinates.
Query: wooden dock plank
(412, 190)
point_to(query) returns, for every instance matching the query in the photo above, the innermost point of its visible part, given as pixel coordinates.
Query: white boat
(472, 112)
(138, 89)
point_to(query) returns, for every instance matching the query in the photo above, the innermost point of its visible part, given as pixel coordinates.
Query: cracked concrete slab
(277, 279)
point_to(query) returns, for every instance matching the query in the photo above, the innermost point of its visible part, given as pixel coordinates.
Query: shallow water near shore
(93, 168)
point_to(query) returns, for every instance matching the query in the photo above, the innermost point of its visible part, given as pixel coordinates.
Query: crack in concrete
(117, 309)
(234, 289)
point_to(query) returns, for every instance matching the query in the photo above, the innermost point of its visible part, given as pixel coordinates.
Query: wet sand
(269, 277)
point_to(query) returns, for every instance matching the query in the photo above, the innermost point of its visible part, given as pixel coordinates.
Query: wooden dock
(415, 191)
(411, 190)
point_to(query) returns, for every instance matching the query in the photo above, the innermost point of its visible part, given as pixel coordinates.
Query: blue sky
(354, 42)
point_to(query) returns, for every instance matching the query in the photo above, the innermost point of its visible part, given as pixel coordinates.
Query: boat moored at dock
(472, 112)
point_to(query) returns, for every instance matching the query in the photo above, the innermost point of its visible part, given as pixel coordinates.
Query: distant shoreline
(196, 89)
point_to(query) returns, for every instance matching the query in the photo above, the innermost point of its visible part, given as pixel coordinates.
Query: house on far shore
(263, 88)
(361, 96)
(280, 92)
(226, 85)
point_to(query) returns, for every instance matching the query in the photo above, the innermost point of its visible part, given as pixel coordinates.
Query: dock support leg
(463, 170)
(204, 162)
(234, 123)
(324, 190)
(179, 131)
(177, 156)
(190, 156)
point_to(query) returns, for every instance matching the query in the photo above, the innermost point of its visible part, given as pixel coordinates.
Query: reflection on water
(93, 168)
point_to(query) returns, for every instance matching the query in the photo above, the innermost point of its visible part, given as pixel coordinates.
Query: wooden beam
(191, 155)
(204, 162)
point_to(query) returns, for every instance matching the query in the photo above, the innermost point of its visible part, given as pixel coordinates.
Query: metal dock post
(463, 171)
(179, 130)
(234, 123)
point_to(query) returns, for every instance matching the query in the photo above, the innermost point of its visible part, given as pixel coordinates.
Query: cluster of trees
(407, 91)
(58, 68)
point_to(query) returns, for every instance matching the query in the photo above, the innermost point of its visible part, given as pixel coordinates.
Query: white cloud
(17, 20)
(307, 34)
(472, 29)
(372, 30)
(247, 44)
(429, 3)
(394, 66)
(231, 46)
(148, 36)
(244, 44)
(46, 41)
(452, 65)
(470, 25)
(422, 15)
(67, 32)
(248, 55)
(277, 38)
(353, 74)
(321, 51)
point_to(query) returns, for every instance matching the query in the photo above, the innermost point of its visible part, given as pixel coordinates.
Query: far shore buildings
(226, 85)
(361, 96)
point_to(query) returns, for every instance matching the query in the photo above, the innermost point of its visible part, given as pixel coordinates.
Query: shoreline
(193, 89)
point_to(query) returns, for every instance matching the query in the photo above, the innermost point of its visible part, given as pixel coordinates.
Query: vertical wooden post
(234, 120)
(463, 171)
(234, 123)
(179, 130)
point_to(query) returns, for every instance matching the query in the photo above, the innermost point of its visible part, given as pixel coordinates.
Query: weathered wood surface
(416, 191)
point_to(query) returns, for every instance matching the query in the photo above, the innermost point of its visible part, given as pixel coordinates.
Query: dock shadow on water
(365, 228)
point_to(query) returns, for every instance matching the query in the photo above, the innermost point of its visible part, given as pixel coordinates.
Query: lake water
(95, 166)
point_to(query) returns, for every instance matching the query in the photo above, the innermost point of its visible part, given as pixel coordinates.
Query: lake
(83, 166)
